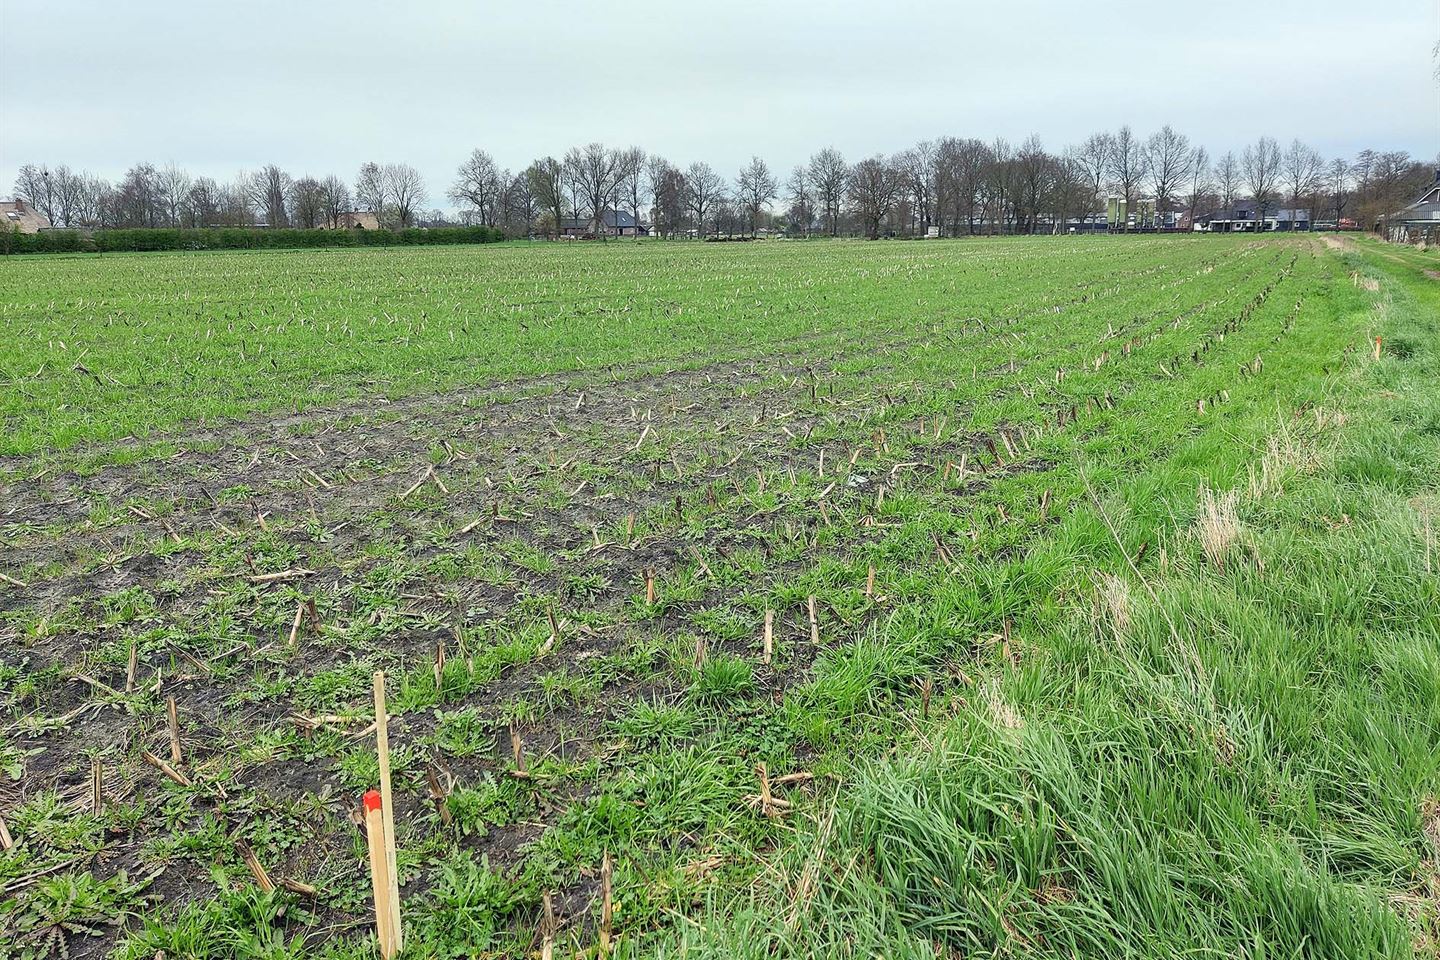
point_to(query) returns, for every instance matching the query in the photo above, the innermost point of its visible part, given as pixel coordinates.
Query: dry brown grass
(1112, 605)
(1217, 524)
(1002, 712)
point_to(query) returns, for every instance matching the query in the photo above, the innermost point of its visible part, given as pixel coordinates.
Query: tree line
(151, 197)
(952, 184)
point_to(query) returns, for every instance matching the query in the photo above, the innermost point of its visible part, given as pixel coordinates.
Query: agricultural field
(1051, 597)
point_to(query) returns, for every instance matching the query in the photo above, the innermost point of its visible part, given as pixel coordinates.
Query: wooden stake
(1377, 348)
(379, 874)
(547, 929)
(814, 621)
(649, 585)
(607, 907)
(173, 722)
(382, 750)
(769, 642)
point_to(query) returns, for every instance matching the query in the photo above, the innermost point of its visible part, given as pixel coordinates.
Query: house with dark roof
(1243, 217)
(613, 223)
(1420, 219)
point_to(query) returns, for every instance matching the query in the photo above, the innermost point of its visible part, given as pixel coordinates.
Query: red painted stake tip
(372, 799)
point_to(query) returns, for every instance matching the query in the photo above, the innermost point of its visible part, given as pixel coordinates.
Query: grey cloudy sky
(319, 87)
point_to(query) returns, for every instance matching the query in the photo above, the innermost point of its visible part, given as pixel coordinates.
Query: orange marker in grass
(379, 873)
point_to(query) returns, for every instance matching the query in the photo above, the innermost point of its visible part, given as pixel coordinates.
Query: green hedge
(234, 238)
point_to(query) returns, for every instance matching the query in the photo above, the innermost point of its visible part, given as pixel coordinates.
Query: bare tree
(960, 170)
(335, 200)
(370, 189)
(757, 188)
(307, 203)
(405, 190)
(1093, 156)
(594, 170)
(1304, 169)
(236, 208)
(173, 184)
(802, 202)
(1071, 191)
(918, 167)
(33, 185)
(477, 186)
(828, 173)
(521, 207)
(547, 184)
(631, 180)
(872, 188)
(1227, 179)
(1127, 166)
(1167, 159)
(704, 189)
(92, 200)
(58, 193)
(1260, 165)
(668, 200)
(1034, 177)
(69, 191)
(202, 203)
(1338, 180)
(137, 198)
(1363, 170)
(269, 190)
(998, 184)
(1200, 184)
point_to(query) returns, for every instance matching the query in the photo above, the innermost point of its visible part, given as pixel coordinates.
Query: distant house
(614, 223)
(22, 217)
(1420, 219)
(1243, 217)
(356, 220)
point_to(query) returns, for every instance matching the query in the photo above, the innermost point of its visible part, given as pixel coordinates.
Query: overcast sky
(318, 87)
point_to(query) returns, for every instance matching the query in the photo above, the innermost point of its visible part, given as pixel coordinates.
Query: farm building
(614, 223)
(21, 216)
(356, 220)
(1419, 220)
